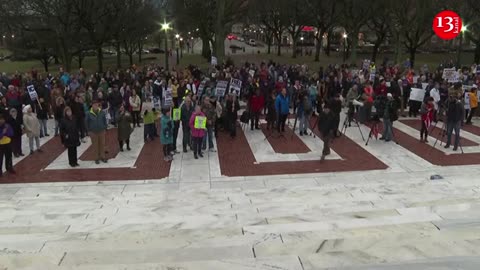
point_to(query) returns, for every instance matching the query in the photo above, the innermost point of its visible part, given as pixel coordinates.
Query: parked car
(252, 42)
(156, 50)
(235, 47)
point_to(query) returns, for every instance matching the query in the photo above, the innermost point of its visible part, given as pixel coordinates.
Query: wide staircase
(414, 224)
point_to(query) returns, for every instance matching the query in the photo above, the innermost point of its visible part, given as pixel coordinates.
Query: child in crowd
(166, 137)
(198, 130)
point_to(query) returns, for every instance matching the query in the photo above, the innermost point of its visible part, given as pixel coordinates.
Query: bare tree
(324, 14)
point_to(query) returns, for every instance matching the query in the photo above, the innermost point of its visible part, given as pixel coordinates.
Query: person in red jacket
(381, 89)
(257, 102)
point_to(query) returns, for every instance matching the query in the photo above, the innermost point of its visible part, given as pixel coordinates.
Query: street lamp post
(460, 45)
(345, 36)
(177, 37)
(181, 47)
(166, 27)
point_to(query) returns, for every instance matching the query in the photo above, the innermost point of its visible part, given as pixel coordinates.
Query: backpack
(307, 105)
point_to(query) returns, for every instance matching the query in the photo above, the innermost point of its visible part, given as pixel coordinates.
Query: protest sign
(200, 122)
(214, 61)
(32, 93)
(450, 74)
(366, 64)
(176, 114)
(168, 101)
(156, 103)
(221, 88)
(417, 94)
(372, 77)
(201, 87)
(235, 85)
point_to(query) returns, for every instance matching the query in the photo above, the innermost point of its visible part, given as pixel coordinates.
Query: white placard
(466, 97)
(235, 85)
(450, 74)
(168, 102)
(417, 94)
(388, 84)
(221, 88)
(214, 61)
(201, 87)
(32, 93)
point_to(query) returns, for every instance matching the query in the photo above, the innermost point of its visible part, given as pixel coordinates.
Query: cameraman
(389, 115)
(455, 114)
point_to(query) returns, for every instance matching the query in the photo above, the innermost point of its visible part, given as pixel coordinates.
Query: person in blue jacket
(282, 106)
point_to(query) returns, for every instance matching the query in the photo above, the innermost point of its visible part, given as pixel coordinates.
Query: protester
(135, 105)
(70, 136)
(326, 126)
(427, 112)
(198, 131)
(6, 134)
(271, 112)
(232, 107)
(282, 107)
(455, 115)
(389, 115)
(16, 123)
(304, 111)
(149, 117)
(124, 122)
(31, 127)
(166, 136)
(473, 103)
(186, 111)
(257, 102)
(41, 109)
(59, 113)
(97, 126)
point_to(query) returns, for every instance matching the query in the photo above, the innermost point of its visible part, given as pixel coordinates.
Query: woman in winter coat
(32, 128)
(124, 122)
(197, 133)
(135, 105)
(70, 136)
(166, 137)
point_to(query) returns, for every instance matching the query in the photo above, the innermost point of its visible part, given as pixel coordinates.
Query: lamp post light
(345, 40)
(460, 44)
(166, 27)
(177, 37)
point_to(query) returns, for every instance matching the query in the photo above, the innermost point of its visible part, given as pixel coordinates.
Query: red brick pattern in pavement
(472, 129)
(149, 165)
(288, 144)
(436, 132)
(111, 146)
(237, 159)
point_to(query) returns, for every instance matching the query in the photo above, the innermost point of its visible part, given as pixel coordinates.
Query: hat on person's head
(474, 86)
(389, 95)
(26, 108)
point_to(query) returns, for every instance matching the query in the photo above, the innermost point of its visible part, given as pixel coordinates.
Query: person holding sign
(198, 124)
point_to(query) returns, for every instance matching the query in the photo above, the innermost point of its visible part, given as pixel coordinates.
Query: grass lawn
(90, 63)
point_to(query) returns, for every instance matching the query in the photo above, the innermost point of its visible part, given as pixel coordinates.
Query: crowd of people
(164, 100)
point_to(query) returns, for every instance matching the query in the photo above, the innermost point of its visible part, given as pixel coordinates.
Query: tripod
(347, 123)
(374, 130)
(443, 131)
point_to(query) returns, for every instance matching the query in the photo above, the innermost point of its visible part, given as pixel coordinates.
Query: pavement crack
(321, 246)
(63, 257)
(301, 263)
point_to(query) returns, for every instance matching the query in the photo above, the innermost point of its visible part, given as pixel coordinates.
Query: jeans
(6, 151)
(304, 120)
(30, 143)
(470, 115)
(82, 127)
(149, 131)
(254, 118)
(424, 130)
(113, 114)
(210, 139)
(57, 127)
(186, 140)
(197, 145)
(387, 129)
(282, 118)
(43, 127)
(72, 155)
(450, 127)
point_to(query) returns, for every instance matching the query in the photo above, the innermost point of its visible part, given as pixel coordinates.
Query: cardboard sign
(214, 61)
(252, 73)
(168, 102)
(372, 77)
(417, 94)
(424, 85)
(156, 103)
(32, 93)
(466, 97)
(451, 75)
(176, 114)
(221, 88)
(200, 122)
(235, 86)
(366, 64)
(201, 87)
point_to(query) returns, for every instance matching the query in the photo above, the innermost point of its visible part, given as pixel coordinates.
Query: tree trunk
(219, 49)
(279, 44)
(119, 54)
(130, 58)
(353, 47)
(477, 53)
(45, 63)
(140, 51)
(329, 42)
(99, 59)
(318, 45)
(80, 60)
(398, 48)
(55, 58)
(294, 48)
(206, 52)
(412, 52)
(269, 43)
(376, 46)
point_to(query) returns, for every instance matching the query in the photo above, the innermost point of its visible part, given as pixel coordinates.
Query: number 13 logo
(447, 25)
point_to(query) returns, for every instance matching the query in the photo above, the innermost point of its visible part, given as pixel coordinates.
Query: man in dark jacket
(455, 114)
(326, 126)
(115, 99)
(336, 108)
(186, 113)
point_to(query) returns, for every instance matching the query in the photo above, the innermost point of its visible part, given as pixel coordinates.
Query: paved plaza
(259, 202)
